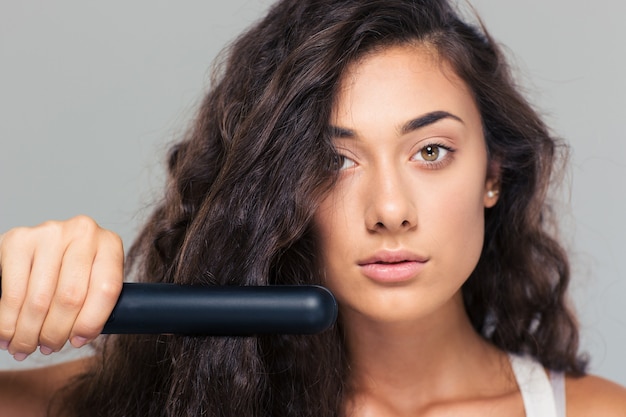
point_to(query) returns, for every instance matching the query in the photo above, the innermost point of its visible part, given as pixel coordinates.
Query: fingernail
(78, 341)
(4, 345)
(19, 356)
(45, 350)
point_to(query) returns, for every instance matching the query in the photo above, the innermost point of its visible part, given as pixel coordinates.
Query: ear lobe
(492, 183)
(491, 198)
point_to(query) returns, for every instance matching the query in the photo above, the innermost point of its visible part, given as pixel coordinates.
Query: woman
(379, 148)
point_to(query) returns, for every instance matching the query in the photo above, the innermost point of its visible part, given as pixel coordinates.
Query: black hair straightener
(144, 308)
(222, 310)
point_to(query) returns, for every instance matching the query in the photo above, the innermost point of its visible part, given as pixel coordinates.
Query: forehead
(403, 80)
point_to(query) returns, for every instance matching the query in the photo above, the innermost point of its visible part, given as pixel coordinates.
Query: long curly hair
(244, 184)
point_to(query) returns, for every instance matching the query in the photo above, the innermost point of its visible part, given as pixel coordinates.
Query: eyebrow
(428, 119)
(413, 124)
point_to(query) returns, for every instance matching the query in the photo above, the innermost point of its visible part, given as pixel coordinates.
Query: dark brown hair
(244, 185)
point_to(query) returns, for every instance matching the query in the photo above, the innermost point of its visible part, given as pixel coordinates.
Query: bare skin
(28, 393)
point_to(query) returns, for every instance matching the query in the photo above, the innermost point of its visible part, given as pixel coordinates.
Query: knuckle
(84, 224)
(38, 304)
(12, 300)
(70, 298)
(10, 235)
(50, 227)
(15, 237)
(49, 231)
(22, 346)
(6, 332)
(51, 340)
(15, 233)
(87, 329)
(110, 290)
(113, 238)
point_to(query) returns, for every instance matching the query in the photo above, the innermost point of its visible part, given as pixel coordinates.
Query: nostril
(406, 224)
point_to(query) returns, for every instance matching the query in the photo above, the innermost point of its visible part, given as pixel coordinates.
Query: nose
(391, 204)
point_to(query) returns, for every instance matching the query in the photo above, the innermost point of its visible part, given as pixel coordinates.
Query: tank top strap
(535, 387)
(557, 380)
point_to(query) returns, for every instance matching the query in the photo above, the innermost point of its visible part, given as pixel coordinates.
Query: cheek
(460, 214)
(332, 228)
(339, 239)
(336, 218)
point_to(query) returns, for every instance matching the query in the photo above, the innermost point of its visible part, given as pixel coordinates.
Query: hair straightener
(222, 310)
(144, 308)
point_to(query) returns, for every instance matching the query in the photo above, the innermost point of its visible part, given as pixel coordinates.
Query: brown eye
(433, 155)
(430, 153)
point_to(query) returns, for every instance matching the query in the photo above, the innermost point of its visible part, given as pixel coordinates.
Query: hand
(60, 282)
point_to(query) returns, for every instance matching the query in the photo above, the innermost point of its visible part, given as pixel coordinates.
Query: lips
(393, 267)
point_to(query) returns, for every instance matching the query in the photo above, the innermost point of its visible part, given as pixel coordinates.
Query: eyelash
(339, 161)
(441, 161)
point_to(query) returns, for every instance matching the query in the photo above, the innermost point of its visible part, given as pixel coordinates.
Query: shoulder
(594, 396)
(28, 392)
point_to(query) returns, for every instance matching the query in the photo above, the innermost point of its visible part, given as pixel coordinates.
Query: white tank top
(543, 396)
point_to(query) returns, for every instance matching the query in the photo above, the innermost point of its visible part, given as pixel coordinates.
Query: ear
(492, 183)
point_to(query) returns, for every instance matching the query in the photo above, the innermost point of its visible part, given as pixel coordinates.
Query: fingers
(45, 263)
(60, 282)
(69, 294)
(15, 264)
(104, 290)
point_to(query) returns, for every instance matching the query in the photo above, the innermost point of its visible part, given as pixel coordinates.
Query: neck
(438, 357)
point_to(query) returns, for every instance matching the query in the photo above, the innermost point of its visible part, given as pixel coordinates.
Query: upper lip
(390, 257)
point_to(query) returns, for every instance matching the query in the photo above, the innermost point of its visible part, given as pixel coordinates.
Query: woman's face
(403, 227)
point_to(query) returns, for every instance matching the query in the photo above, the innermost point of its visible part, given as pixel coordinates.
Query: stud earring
(492, 193)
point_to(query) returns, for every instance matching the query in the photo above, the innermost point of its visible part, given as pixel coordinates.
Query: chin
(402, 307)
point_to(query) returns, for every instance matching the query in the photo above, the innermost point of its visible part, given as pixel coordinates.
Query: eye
(341, 162)
(344, 162)
(432, 153)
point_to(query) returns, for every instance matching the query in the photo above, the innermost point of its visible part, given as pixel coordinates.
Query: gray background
(92, 93)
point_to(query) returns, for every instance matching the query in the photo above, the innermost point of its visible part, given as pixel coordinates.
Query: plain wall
(92, 94)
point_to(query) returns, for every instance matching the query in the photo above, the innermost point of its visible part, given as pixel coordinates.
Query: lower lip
(392, 273)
